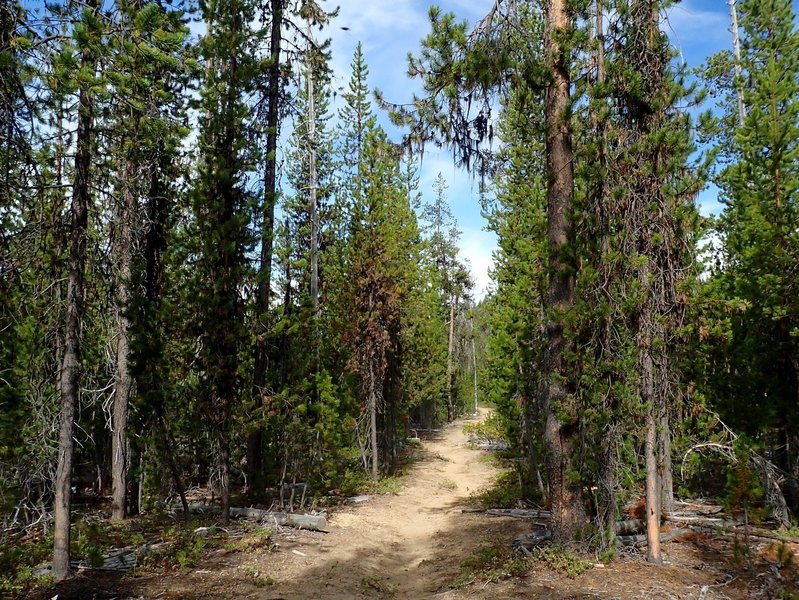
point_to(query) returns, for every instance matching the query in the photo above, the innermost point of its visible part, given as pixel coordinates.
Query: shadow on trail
(429, 435)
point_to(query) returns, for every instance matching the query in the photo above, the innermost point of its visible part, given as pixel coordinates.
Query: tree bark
(474, 370)
(373, 432)
(272, 122)
(450, 351)
(123, 383)
(652, 491)
(70, 379)
(314, 217)
(736, 52)
(560, 431)
(664, 463)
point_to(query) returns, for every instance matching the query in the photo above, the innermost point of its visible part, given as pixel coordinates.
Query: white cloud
(477, 248)
(707, 30)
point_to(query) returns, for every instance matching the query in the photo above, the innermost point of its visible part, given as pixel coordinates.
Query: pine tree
(88, 40)
(221, 219)
(382, 233)
(515, 311)
(754, 364)
(149, 52)
(354, 117)
(287, 24)
(452, 277)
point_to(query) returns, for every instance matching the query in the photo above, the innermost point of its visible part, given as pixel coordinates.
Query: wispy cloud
(697, 31)
(477, 248)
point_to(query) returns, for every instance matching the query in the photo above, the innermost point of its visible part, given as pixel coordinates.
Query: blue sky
(390, 30)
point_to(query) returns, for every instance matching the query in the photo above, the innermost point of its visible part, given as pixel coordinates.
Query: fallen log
(741, 532)
(519, 513)
(525, 543)
(703, 521)
(298, 521)
(628, 527)
(639, 540)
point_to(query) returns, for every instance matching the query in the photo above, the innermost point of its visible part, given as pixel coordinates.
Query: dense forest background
(217, 271)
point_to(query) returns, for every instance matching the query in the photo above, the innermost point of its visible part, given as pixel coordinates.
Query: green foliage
(488, 430)
(257, 578)
(563, 560)
(18, 560)
(505, 492)
(491, 563)
(388, 485)
(743, 491)
(749, 354)
(257, 539)
(89, 542)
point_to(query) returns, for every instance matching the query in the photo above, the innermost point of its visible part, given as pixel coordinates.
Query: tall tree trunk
(155, 243)
(665, 464)
(373, 428)
(607, 505)
(70, 380)
(450, 367)
(653, 489)
(474, 369)
(123, 384)
(314, 217)
(568, 510)
(736, 52)
(255, 465)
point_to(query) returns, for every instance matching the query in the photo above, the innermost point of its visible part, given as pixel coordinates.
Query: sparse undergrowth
(492, 562)
(506, 492)
(161, 543)
(489, 430)
(496, 561)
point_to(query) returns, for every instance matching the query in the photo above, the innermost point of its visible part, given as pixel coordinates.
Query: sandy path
(402, 546)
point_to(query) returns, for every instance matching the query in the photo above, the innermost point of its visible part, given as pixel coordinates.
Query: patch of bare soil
(412, 545)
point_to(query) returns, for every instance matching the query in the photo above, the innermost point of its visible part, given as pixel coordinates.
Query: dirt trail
(407, 545)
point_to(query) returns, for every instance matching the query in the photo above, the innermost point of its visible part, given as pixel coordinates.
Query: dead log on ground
(298, 521)
(639, 540)
(525, 543)
(628, 526)
(519, 513)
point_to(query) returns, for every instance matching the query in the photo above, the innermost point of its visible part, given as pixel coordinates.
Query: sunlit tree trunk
(568, 511)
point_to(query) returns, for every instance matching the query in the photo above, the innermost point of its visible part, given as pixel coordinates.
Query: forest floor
(418, 543)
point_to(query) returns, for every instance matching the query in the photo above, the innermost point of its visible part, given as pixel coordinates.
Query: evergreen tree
(753, 362)
(148, 47)
(286, 36)
(379, 265)
(88, 44)
(452, 277)
(518, 216)
(221, 219)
